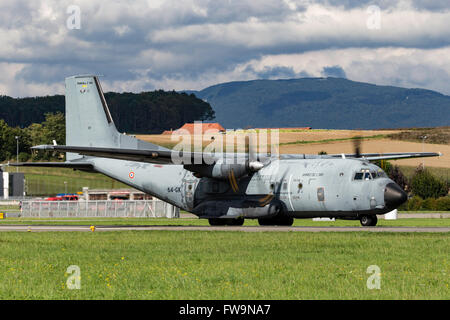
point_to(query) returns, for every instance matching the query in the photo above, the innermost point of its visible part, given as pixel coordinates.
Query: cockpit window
(381, 174)
(366, 174)
(359, 175)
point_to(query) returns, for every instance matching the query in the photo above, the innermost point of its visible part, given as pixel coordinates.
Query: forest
(145, 112)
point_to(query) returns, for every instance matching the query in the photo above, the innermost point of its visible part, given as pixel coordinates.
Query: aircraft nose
(394, 196)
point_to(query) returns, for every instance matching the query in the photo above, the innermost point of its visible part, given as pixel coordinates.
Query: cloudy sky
(192, 44)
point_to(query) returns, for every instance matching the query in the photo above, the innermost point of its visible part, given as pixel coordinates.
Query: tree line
(145, 112)
(52, 128)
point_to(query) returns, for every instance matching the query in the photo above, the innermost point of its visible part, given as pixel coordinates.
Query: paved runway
(33, 228)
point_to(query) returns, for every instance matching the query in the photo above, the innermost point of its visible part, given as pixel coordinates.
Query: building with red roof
(197, 128)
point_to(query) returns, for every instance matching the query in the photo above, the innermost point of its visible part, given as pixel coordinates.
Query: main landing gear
(276, 221)
(368, 220)
(226, 221)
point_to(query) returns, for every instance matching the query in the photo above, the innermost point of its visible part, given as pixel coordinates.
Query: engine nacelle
(224, 171)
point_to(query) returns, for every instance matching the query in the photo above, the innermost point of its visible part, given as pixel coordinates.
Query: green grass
(7, 208)
(442, 173)
(223, 265)
(204, 222)
(45, 181)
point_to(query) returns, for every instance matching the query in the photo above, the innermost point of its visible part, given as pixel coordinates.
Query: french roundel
(131, 175)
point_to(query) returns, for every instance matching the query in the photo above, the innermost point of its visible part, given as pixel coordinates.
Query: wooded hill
(146, 112)
(324, 103)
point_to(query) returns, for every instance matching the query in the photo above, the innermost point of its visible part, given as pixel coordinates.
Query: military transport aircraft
(229, 187)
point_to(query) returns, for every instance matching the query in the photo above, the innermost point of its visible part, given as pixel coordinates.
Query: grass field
(204, 222)
(224, 265)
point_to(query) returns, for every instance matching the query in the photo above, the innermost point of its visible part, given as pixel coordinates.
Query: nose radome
(394, 196)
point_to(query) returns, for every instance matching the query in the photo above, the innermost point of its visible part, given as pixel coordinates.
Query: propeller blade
(251, 141)
(357, 146)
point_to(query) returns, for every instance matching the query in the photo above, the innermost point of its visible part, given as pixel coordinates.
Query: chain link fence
(97, 209)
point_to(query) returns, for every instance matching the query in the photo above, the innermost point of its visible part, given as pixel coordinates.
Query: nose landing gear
(368, 220)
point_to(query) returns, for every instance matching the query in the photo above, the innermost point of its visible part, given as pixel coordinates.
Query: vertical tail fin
(88, 120)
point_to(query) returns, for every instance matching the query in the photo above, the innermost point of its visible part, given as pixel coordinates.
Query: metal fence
(95, 209)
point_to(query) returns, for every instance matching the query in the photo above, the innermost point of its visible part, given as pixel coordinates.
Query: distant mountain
(324, 103)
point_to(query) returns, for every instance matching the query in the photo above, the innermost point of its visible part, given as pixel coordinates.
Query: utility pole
(423, 149)
(17, 153)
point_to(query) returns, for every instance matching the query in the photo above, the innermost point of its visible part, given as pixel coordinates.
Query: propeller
(250, 142)
(357, 146)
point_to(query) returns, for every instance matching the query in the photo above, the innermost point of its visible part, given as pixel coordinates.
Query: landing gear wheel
(286, 221)
(368, 220)
(235, 222)
(217, 222)
(226, 222)
(276, 221)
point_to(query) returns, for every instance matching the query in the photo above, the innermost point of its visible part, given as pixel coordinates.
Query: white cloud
(191, 44)
(408, 67)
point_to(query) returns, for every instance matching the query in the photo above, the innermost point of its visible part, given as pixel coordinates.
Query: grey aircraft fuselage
(304, 188)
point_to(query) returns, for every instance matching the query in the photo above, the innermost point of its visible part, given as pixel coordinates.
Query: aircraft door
(356, 197)
(320, 194)
(359, 188)
(188, 186)
(295, 192)
(189, 189)
(311, 188)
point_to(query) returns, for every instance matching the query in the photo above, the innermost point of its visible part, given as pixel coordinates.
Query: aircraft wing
(139, 155)
(168, 156)
(364, 156)
(389, 156)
